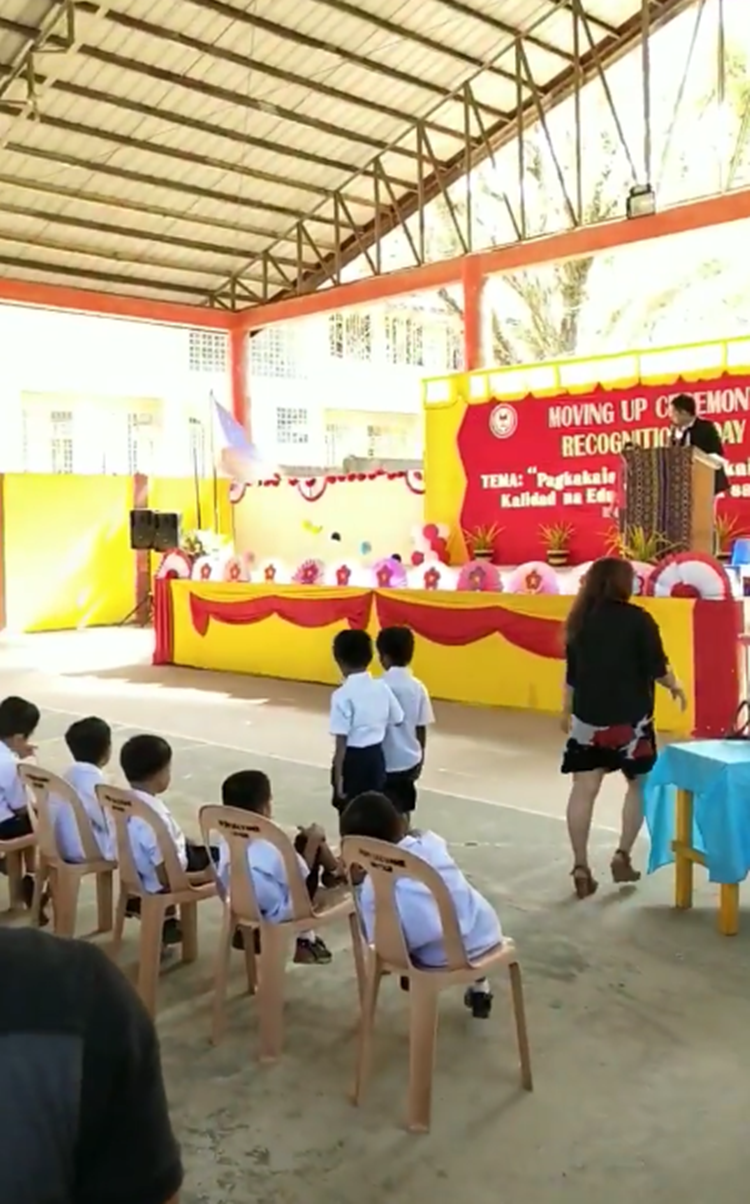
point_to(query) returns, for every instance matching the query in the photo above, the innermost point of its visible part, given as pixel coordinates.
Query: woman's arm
(669, 682)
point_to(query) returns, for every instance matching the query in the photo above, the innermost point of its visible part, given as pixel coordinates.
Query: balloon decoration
(235, 569)
(689, 575)
(206, 568)
(641, 575)
(174, 565)
(430, 542)
(479, 576)
(310, 572)
(389, 574)
(272, 572)
(535, 577)
(237, 491)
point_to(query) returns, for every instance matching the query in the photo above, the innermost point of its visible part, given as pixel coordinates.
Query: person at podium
(689, 430)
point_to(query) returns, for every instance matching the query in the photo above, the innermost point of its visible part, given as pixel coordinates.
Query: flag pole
(196, 478)
(212, 451)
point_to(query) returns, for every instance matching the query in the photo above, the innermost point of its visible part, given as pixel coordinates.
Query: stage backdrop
(522, 463)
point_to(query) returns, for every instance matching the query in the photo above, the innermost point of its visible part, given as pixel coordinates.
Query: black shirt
(704, 436)
(83, 1113)
(613, 663)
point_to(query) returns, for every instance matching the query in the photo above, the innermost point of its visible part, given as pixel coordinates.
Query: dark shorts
(17, 826)
(401, 789)
(364, 769)
(627, 748)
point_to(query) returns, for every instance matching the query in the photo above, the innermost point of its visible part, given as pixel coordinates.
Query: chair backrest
(239, 829)
(124, 805)
(385, 864)
(42, 785)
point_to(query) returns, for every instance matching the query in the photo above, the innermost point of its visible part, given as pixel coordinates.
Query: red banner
(545, 461)
(353, 609)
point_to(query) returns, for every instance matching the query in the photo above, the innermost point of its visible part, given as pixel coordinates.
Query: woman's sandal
(622, 869)
(584, 882)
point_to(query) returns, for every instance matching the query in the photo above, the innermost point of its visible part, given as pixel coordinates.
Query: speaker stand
(142, 612)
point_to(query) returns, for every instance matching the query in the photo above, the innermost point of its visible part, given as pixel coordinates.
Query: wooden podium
(669, 492)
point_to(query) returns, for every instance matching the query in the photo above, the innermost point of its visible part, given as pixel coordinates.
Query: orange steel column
(472, 283)
(238, 349)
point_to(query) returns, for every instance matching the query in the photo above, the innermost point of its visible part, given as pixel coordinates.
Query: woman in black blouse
(614, 659)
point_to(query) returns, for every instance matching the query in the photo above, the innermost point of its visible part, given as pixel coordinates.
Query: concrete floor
(638, 1016)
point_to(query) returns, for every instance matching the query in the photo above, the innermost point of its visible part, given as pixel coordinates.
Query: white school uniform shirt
(362, 709)
(12, 791)
(84, 779)
(418, 911)
(401, 747)
(145, 847)
(270, 882)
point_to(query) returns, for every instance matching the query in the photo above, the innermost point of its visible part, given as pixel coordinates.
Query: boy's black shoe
(171, 933)
(479, 1003)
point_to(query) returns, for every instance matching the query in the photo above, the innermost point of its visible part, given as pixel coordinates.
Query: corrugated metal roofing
(160, 147)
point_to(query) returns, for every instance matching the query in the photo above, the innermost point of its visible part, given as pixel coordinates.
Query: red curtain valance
(302, 612)
(444, 625)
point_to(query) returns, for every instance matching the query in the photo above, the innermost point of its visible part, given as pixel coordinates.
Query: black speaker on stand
(152, 531)
(167, 533)
(142, 530)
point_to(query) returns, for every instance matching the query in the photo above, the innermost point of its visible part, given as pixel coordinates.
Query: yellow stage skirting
(486, 649)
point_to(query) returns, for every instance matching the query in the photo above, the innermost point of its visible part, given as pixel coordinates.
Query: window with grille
(207, 351)
(404, 340)
(140, 443)
(273, 353)
(350, 336)
(61, 441)
(291, 425)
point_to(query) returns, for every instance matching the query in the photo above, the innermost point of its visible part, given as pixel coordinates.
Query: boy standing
(362, 710)
(404, 746)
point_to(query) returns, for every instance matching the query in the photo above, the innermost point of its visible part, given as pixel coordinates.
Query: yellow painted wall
(269, 521)
(66, 547)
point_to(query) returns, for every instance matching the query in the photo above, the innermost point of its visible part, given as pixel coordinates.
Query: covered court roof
(231, 152)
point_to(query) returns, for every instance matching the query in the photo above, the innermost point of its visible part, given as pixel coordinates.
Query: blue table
(697, 808)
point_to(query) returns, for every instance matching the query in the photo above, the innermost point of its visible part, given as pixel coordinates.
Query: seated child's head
(18, 722)
(248, 789)
(90, 740)
(146, 762)
(395, 647)
(352, 651)
(372, 814)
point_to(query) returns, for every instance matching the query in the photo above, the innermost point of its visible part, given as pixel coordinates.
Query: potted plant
(637, 543)
(556, 540)
(481, 542)
(726, 533)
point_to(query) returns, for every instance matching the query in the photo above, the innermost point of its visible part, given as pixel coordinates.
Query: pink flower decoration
(536, 577)
(389, 574)
(269, 573)
(479, 576)
(343, 575)
(310, 572)
(431, 579)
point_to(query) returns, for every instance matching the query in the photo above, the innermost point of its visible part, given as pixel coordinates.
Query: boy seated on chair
(250, 790)
(373, 815)
(19, 720)
(89, 743)
(146, 762)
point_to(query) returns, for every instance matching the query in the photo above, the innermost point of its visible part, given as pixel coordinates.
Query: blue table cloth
(718, 774)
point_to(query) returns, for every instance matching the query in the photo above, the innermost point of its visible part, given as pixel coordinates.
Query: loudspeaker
(142, 530)
(166, 531)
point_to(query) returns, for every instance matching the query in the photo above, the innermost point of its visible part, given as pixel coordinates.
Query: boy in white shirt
(404, 745)
(362, 710)
(89, 743)
(250, 790)
(19, 720)
(146, 762)
(374, 815)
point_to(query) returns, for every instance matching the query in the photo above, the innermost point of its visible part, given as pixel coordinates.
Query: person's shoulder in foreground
(83, 1112)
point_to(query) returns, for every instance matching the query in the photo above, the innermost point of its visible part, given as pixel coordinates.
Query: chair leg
(251, 961)
(358, 952)
(65, 894)
(274, 949)
(104, 896)
(14, 864)
(519, 1013)
(221, 980)
(152, 921)
(122, 903)
(41, 880)
(373, 975)
(189, 925)
(423, 1022)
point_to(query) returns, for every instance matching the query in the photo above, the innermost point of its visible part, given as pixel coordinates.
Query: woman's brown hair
(608, 580)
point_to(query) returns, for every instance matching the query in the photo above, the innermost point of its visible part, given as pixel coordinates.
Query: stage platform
(484, 649)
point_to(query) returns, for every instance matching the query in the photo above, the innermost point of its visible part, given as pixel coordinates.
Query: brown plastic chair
(64, 878)
(13, 852)
(185, 890)
(385, 865)
(239, 829)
